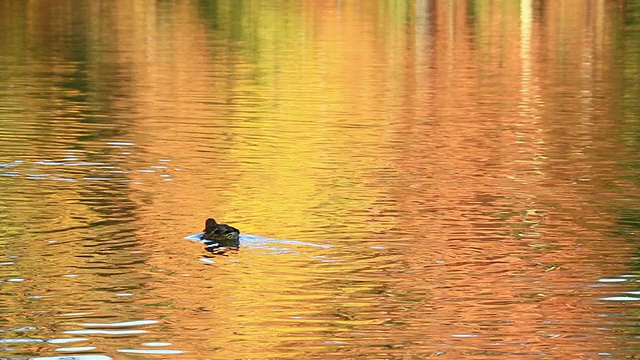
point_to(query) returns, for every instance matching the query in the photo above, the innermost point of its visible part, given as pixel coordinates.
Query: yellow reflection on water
(433, 146)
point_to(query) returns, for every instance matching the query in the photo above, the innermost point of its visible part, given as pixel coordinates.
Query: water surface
(411, 179)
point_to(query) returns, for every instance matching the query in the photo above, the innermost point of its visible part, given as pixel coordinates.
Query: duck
(219, 235)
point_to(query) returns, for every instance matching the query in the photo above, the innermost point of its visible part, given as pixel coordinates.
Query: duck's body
(220, 234)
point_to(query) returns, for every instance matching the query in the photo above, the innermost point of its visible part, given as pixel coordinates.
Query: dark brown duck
(222, 234)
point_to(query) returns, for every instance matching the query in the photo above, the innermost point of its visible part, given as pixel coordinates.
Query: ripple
(620, 298)
(76, 314)
(157, 344)
(412, 151)
(464, 335)
(122, 324)
(66, 341)
(105, 332)
(84, 163)
(20, 341)
(74, 357)
(247, 239)
(120, 143)
(76, 349)
(63, 179)
(50, 163)
(151, 351)
(21, 328)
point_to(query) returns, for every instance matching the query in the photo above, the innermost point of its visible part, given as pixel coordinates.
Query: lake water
(412, 179)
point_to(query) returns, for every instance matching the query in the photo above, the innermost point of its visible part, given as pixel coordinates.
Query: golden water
(412, 178)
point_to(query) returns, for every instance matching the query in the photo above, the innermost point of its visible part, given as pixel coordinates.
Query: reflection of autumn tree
(409, 120)
(469, 132)
(55, 104)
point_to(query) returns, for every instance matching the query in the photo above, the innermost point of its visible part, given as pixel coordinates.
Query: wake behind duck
(215, 236)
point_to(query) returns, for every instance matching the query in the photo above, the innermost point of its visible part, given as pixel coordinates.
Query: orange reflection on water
(340, 129)
(447, 154)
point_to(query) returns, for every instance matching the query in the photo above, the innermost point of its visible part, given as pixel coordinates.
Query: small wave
(248, 239)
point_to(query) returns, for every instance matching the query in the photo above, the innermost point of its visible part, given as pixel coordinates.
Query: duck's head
(210, 225)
